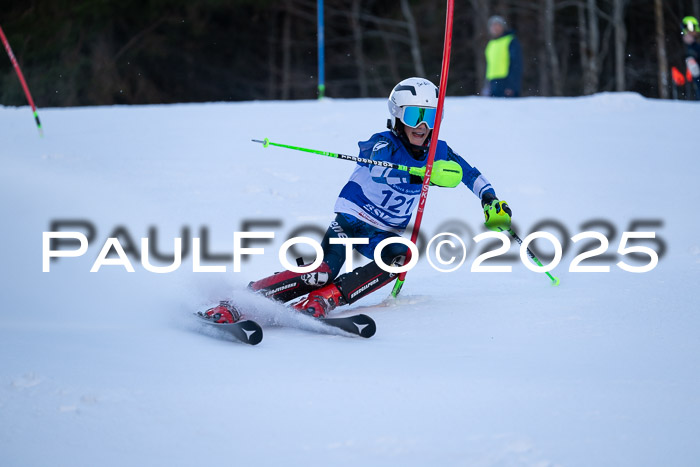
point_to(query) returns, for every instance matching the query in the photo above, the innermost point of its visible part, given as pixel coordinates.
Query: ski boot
(319, 302)
(288, 285)
(223, 313)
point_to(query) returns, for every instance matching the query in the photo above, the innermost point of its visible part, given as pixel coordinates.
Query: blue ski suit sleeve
(383, 148)
(380, 148)
(471, 176)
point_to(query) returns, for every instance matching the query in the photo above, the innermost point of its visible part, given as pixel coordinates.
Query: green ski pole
(412, 170)
(555, 280)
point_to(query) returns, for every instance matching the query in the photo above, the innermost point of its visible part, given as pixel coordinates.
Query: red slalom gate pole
(434, 139)
(21, 80)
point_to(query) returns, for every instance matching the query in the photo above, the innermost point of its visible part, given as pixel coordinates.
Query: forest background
(104, 52)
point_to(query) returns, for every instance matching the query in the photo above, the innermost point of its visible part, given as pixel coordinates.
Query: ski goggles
(414, 116)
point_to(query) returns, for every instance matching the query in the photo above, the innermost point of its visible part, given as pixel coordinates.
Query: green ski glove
(447, 174)
(497, 214)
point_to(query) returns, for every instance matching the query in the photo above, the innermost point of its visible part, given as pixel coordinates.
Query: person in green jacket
(504, 60)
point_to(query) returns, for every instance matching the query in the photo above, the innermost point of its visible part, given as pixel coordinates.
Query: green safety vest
(498, 57)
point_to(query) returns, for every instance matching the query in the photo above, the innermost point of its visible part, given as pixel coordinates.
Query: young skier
(377, 203)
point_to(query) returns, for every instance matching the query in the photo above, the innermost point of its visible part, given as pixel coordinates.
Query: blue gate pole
(321, 53)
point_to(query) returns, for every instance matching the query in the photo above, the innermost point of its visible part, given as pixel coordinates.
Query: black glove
(487, 198)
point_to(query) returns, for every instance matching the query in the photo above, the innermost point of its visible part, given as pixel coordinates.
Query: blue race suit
(378, 202)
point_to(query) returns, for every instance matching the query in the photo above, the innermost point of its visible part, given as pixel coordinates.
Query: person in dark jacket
(504, 60)
(692, 51)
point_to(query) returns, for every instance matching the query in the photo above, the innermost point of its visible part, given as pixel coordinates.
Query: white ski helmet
(411, 92)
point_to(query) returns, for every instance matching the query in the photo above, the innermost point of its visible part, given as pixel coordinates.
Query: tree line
(102, 52)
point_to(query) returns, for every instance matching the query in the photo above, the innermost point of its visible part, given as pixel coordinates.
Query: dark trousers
(348, 226)
(499, 86)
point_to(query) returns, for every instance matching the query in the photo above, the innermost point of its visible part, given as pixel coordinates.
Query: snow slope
(466, 368)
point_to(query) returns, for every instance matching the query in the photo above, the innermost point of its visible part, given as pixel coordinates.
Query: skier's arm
(379, 148)
(472, 178)
(387, 176)
(496, 212)
(444, 173)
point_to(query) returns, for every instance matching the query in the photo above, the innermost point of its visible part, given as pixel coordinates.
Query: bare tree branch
(415, 40)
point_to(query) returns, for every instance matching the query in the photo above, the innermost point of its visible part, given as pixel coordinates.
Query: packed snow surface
(110, 368)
